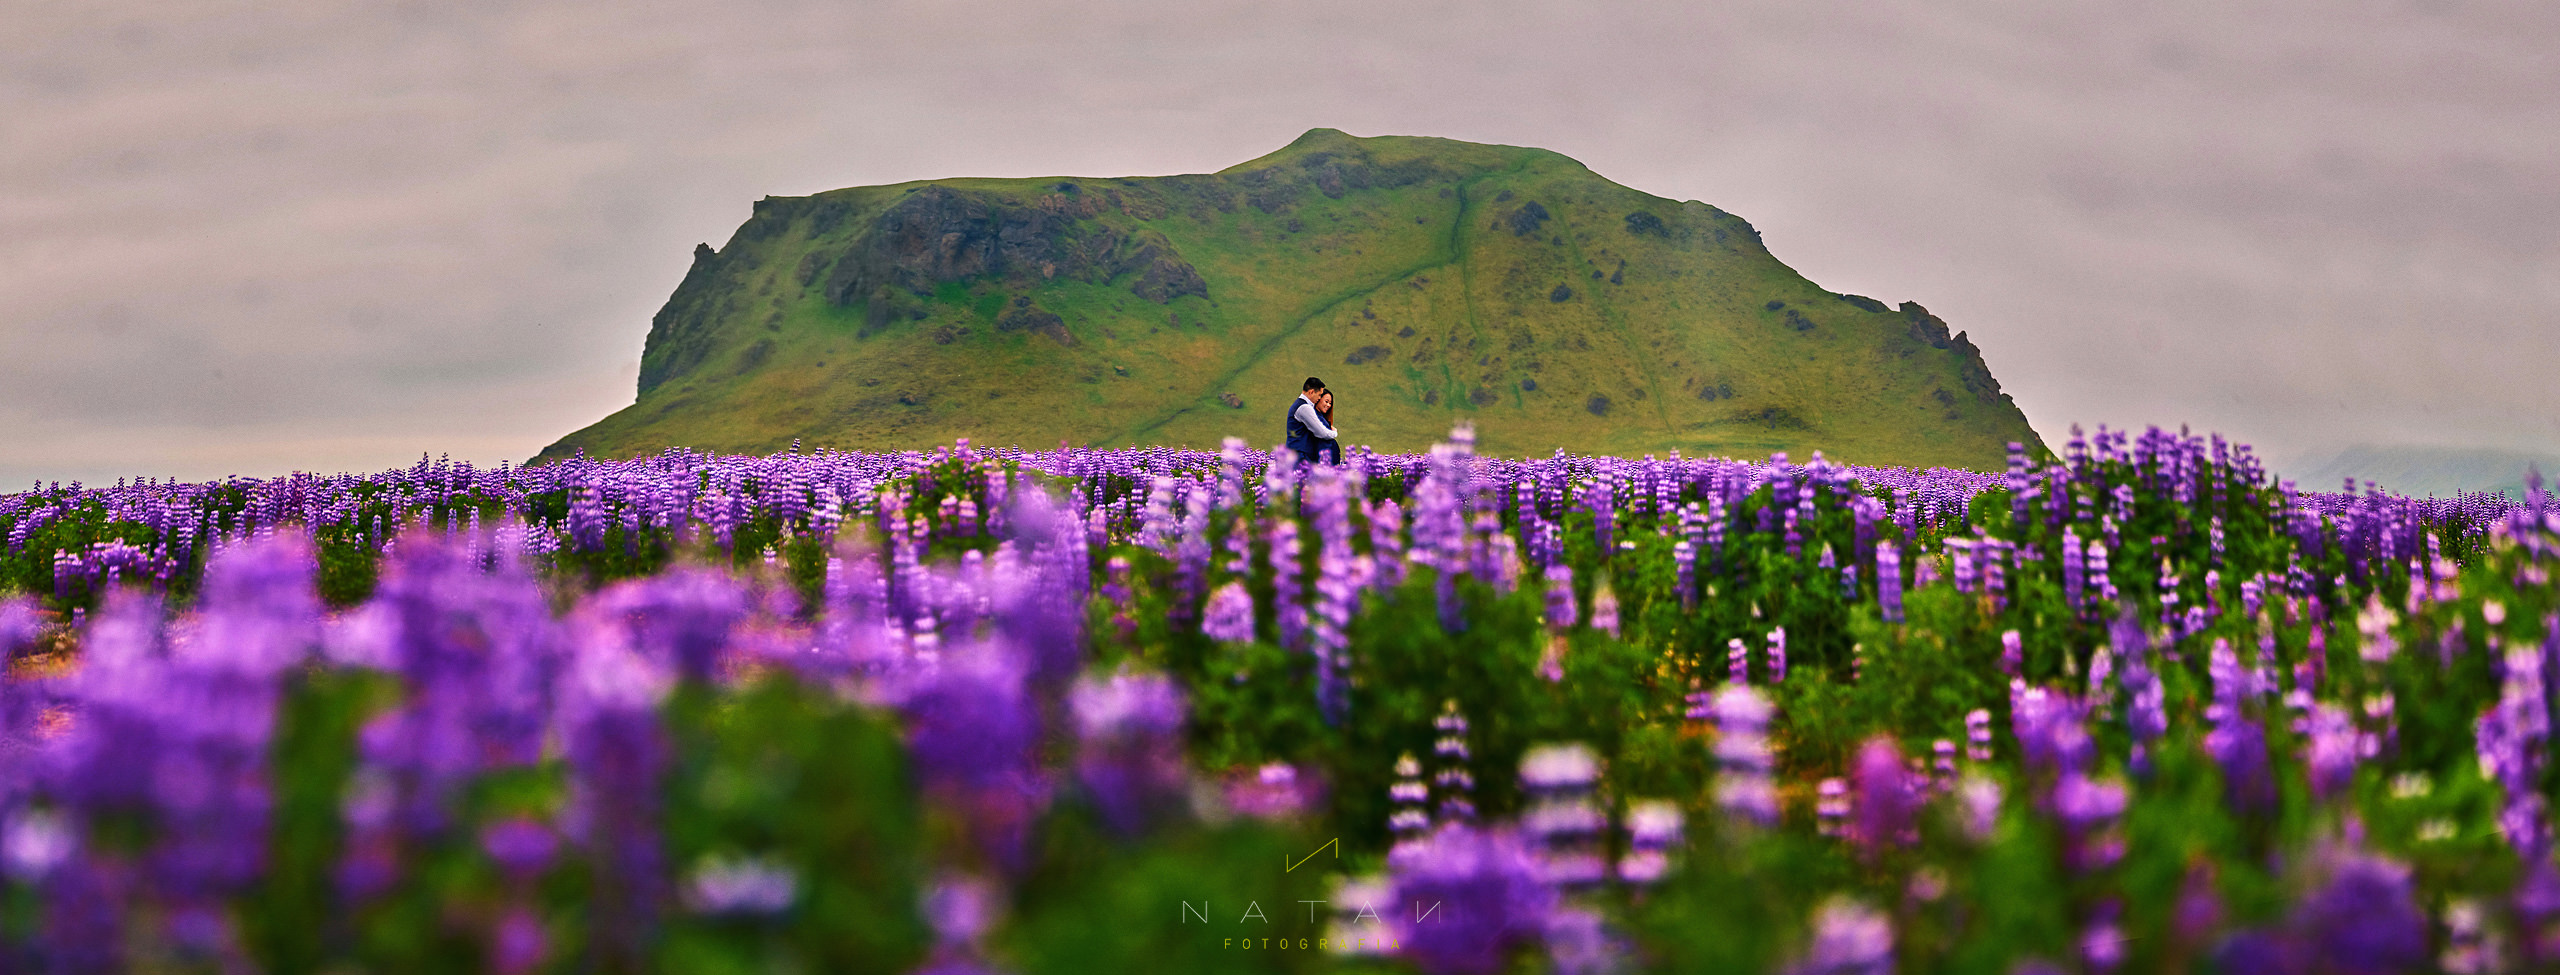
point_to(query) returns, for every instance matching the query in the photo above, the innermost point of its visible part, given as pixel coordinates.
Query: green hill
(1428, 281)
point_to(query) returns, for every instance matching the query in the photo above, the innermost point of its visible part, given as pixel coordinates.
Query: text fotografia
(1361, 931)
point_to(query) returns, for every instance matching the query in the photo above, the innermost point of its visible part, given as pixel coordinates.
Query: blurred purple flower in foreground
(1849, 938)
(1471, 897)
(1129, 753)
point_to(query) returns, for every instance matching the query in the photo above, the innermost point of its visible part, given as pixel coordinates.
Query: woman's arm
(1306, 412)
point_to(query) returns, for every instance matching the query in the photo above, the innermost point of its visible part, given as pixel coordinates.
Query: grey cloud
(229, 231)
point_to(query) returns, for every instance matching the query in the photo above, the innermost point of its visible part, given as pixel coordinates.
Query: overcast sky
(258, 237)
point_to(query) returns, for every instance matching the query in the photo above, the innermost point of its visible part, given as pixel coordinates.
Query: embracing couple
(1311, 433)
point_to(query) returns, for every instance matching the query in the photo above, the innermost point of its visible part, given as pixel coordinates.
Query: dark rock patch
(1526, 220)
(1431, 398)
(1925, 327)
(1560, 294)
(1482, 396)
(1364, 355)
(1022, 316)
(1644, 224)
(1232, 401)
(1775, 418)
(937, 234)
(1405, 332)
(1619, 276)
(1774, 304)
(1529, 385)
(1864, 302)
(755, 356)
(1166, 279)
(1797, 321)
(1599, 405)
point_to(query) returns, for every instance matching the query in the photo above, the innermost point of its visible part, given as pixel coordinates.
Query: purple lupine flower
(1273, 791)
(1978, 798)
(1849, 938)
(1467, 897)
(1740, 660)
(1684, 563)
(2364, 920)
(1328, 500)
(1889, 580)
(1604, 608)
(480, 655)
(2101, 586)
(1457, 786)
(973, 731)
(680, 619)
(85, 900)
(1886, 810)
(1118, 592)
(2087, 809)
(1410, 817)
(1742, 748)
(2102, 941)
(218, 702)
(2374, 623)
(2511, 737)
(1579, 943)
(1995, 577)
(519, 943)
(1229, 617)
(1654, 829)
(1287, 593)
(522, 848)
(741, 886)
(1961, 565)
(1562, 611)
(2074, 569)
(2237, 742)
(2146, 712)
(1386, 543)
(2048, 727)
(1831, 807)
(2012, 654)
(1977, 734)
(618, 756)
(1562, 820)
(1778, 655)
(1129, 746)
(2333, 751)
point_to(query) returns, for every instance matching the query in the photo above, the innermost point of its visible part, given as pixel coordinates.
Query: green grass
(1431, 272)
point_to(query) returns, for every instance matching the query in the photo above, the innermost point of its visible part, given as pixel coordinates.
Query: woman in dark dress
(1328, 450)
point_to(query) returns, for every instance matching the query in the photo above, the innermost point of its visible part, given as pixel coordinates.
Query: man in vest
(1309, 433)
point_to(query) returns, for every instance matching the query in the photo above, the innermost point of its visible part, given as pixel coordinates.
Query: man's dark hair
(1312, 385)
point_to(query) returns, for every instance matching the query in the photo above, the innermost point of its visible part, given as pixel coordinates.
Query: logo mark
(1334, 844)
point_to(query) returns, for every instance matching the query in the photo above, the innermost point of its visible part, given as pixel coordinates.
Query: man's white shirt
(1306, 414)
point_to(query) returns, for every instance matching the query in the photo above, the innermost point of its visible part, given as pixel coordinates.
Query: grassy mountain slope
(1427, 280)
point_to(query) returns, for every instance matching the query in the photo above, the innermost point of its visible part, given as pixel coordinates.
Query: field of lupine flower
(2136, 708)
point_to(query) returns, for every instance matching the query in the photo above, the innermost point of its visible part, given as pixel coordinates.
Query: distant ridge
(2422, 470)
(1429, 281)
